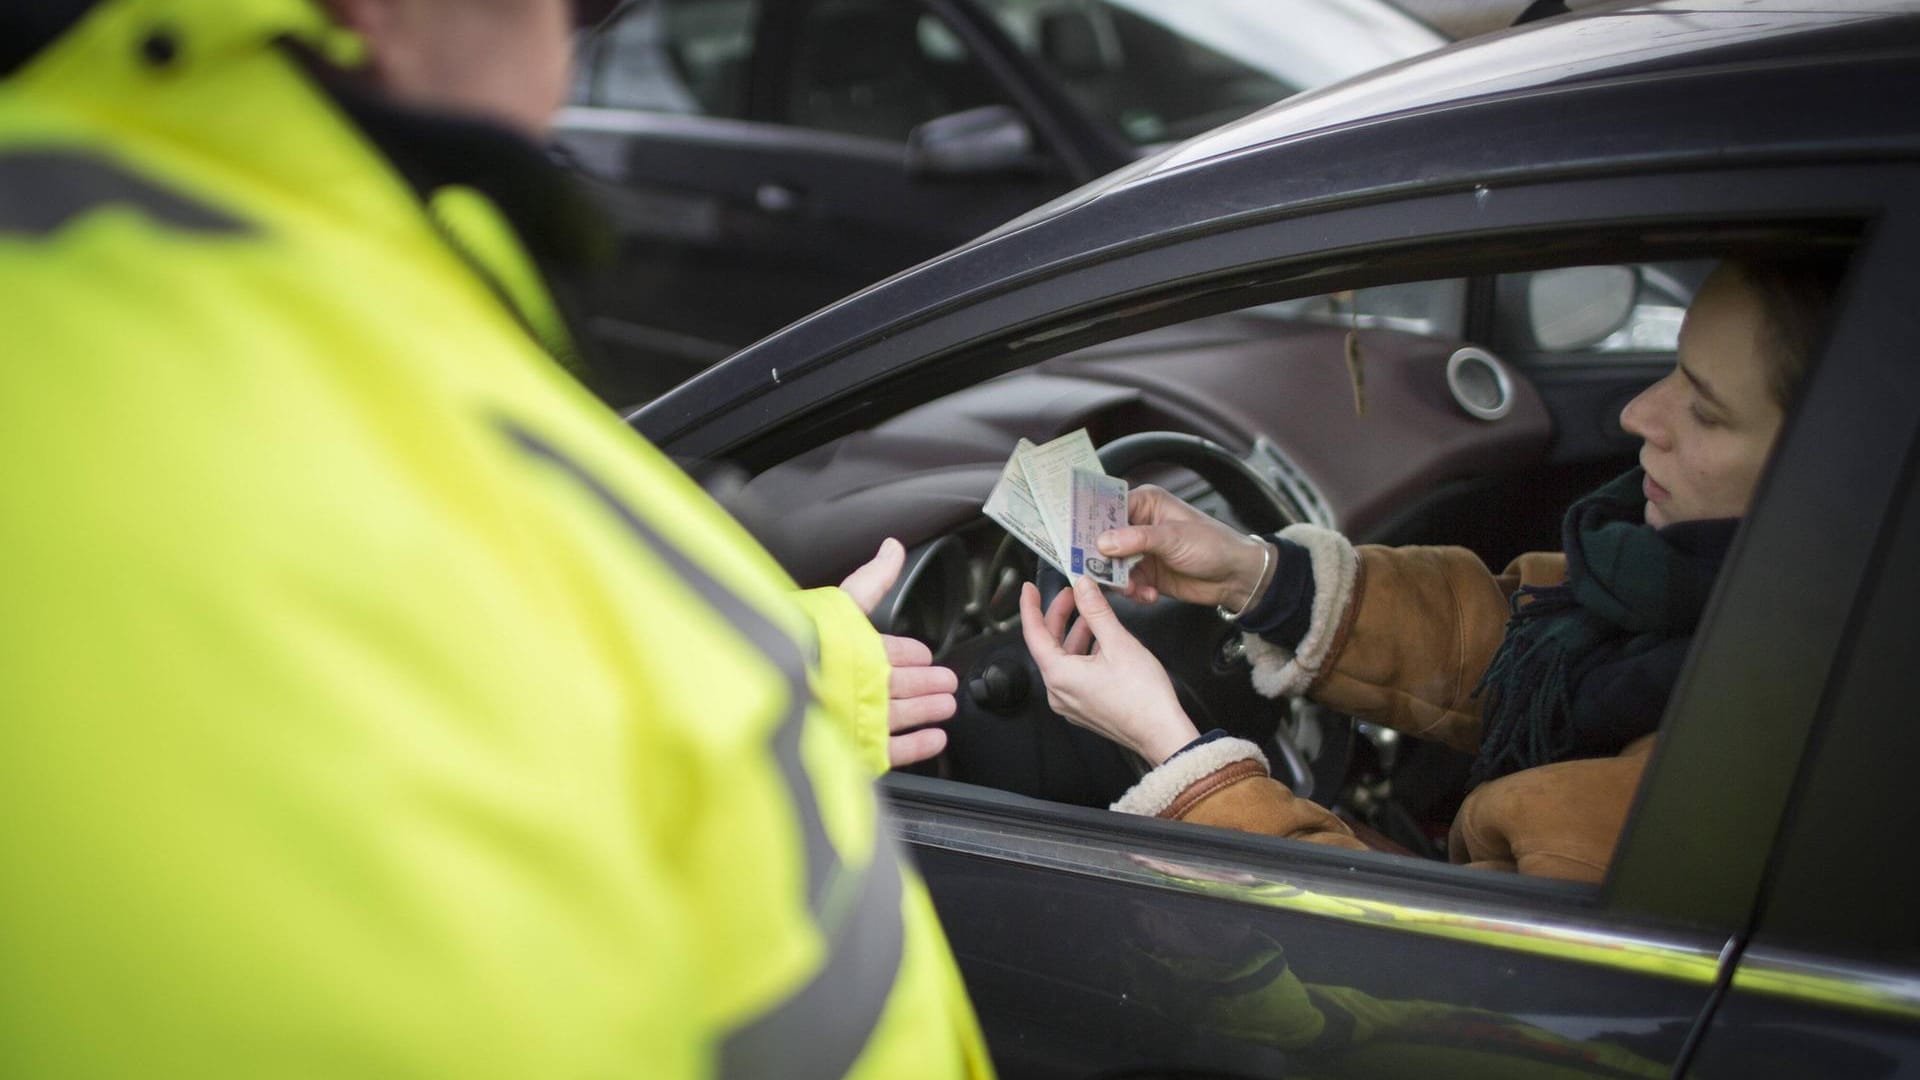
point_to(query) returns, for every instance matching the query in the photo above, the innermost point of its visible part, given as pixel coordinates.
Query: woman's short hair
(1797, 299)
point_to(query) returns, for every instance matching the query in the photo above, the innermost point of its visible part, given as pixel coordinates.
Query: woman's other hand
(1099, 676)
(919, 691)
(1184, 553)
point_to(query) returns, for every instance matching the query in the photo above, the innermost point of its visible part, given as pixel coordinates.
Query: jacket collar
(550, 210)
(262, 97)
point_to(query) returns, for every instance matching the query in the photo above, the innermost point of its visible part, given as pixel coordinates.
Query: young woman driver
(1553, 674)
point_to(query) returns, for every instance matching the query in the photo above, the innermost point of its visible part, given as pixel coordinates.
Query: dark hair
(1796, 300)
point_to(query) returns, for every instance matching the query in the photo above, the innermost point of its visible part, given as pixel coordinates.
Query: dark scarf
(1586, 666)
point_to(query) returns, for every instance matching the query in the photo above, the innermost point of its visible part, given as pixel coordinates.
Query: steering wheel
(1005, 736)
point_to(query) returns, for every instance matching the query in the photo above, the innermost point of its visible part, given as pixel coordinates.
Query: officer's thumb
(870, 582)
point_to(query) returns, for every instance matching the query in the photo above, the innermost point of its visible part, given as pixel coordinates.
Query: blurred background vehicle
(765, 157)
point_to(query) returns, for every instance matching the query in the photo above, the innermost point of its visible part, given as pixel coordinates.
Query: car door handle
(777, 199)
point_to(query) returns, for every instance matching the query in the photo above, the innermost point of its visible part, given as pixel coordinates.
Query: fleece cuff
(1158, 789)
(1282, 672)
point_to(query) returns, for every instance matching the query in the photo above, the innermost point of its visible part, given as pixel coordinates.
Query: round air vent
(1479, 383)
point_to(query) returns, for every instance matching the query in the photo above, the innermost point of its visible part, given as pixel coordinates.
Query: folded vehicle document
(1056, 499)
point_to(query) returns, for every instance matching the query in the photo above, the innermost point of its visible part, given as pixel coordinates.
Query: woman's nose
(1640, 415)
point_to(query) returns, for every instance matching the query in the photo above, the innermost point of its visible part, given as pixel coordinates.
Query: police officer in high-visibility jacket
(372, 701)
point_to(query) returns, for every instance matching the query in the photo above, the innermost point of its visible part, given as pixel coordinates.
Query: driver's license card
(1099, 504)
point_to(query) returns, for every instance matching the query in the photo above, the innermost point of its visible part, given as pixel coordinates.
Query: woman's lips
(1652, 490)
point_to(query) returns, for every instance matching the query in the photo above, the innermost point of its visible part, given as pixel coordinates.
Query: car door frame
(1833, 902)
(1834, 958)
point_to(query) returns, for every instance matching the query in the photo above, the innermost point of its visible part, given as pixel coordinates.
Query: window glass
(878, 68)
(1589, 312)
(671, 56)
(1430, 308)
(1160, 70)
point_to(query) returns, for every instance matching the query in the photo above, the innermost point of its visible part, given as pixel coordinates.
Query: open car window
(1345, 402)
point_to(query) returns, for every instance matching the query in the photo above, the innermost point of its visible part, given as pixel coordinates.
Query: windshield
(1161, 70)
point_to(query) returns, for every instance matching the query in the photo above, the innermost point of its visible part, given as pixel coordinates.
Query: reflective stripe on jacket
(375, 702)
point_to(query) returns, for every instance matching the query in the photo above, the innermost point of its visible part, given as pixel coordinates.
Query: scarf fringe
(1530, 726)
(1628, 586)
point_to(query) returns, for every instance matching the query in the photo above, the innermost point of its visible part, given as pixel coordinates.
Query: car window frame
(924, 354)
(1836, 923)
(1823, 497)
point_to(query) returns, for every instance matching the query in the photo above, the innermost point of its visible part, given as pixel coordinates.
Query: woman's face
(1708, 425)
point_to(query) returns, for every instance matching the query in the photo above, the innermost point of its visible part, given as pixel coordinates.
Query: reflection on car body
(1757, 917)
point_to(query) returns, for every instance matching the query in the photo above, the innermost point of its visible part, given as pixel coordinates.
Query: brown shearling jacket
(1400, 637)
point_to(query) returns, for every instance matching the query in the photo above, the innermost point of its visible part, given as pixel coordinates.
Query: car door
(1096, 944)
(755, 157)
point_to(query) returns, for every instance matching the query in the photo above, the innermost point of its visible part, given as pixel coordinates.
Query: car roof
(1641, 40)
(1636, 41)
(1646, 89)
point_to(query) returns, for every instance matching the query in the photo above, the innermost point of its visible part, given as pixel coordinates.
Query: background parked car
(1540, 203)
(764, 157)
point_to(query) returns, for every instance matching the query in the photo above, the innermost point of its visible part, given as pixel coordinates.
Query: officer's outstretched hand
(1184, 553)
(1099, 676)
(920, 692)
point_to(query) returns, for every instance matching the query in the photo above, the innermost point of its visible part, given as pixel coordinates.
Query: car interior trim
(1469, 364)
(1270, 461)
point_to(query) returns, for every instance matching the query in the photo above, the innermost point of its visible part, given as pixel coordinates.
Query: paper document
(1056, 499)
(1011, 504)
(1099, 504)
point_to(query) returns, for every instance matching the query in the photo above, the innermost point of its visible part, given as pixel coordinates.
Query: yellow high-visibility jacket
(372, 701)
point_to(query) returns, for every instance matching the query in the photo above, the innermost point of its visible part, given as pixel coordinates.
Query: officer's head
(503, 59)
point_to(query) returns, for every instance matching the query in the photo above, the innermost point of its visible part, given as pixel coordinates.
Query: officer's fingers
(915, 746)
(906, 652)
(913, 712)
(912, 682)
(871, 582)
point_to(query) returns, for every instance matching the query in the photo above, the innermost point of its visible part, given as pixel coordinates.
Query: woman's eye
(1702, 418)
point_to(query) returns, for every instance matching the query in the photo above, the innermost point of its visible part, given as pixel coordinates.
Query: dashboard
(1279, 393)
(1347, 444)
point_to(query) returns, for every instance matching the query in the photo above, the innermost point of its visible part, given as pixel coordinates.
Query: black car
(1489, 247)
(764, 157)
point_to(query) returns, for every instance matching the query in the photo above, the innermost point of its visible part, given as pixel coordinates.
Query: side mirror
(1579, 306)
(978, 142)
